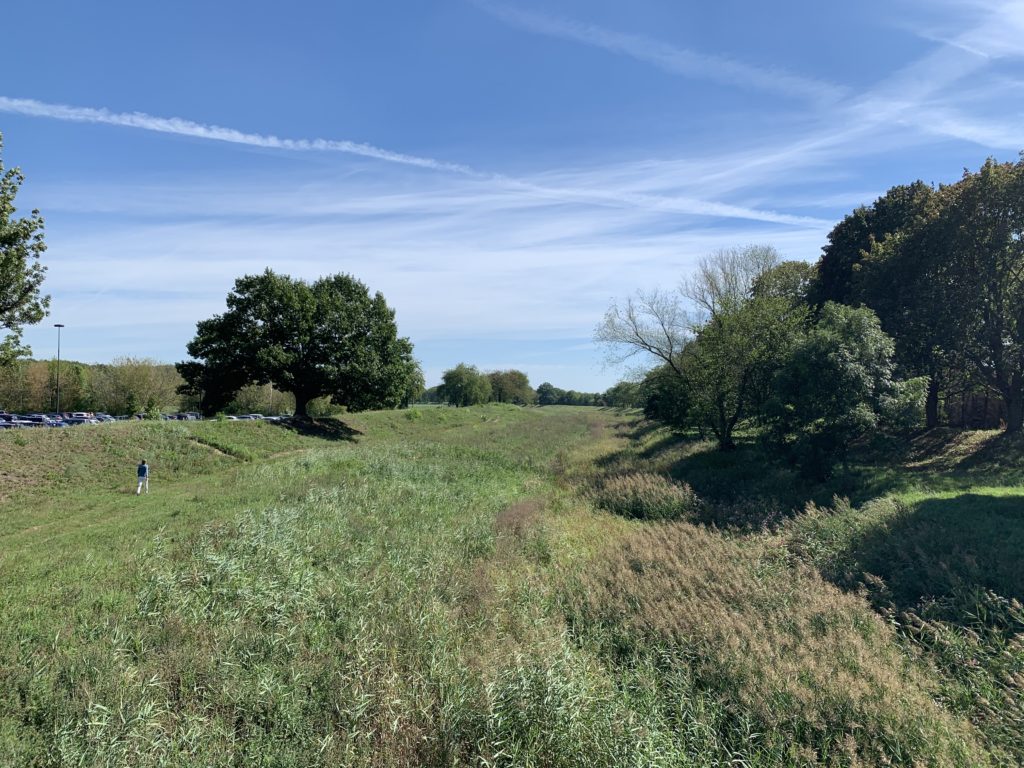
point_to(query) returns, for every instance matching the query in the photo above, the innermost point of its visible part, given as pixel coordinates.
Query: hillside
(480, 586)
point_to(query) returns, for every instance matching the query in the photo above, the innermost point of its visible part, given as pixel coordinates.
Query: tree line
(466, 385)
(125, 386)
(916, 301)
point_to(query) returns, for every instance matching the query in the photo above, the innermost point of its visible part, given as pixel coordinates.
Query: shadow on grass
(940, 547)
(1000, 453)
(753, 487)
(325, 429)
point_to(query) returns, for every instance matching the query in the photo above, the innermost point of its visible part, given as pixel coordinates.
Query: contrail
(182, 127)
(677, 61)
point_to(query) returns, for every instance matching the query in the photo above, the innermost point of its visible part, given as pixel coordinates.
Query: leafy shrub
(644, 496)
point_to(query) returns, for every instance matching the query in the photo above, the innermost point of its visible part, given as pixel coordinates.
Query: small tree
(130, 385)
(21, 274)
(729, 366)
(744, 337)
(548, 394)
(464, 385)
(624, 394)
(725, 352)
(836, 385)
(665, 398)
(511, 387)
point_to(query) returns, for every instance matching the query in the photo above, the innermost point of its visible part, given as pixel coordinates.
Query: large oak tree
(326, 338)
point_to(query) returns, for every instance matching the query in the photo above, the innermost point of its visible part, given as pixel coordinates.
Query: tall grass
(335, 620)
(945, 569)
(443, 589)
(813, 671)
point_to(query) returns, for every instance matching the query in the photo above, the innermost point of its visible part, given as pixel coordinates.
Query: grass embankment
(931, 543)
(440, 587)
(352, 603)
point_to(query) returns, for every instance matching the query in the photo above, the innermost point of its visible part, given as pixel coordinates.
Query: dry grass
(645, 496)
(821, 674)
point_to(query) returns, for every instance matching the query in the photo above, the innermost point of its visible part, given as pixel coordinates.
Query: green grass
(946, 567)
(439, 587)
(353, 603)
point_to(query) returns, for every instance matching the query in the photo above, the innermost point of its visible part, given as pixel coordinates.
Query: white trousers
(143, 481)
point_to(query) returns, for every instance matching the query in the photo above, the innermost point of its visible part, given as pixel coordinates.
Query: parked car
(14, 420)
(42, 420)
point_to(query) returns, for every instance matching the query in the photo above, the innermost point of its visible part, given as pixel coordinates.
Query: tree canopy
(852, 238)
(946, 278)
(21, 274)
(725, 349)
(511, 386)
(327, 338)
(836, 383)
(464, 385)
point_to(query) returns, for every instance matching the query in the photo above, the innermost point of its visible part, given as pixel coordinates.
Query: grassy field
(501, 586)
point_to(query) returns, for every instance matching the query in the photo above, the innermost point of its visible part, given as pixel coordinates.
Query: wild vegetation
(500, 586)
(466, 385)
(914, 309)
(776, 568)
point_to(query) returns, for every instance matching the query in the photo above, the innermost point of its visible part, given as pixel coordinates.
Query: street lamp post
(58, 326)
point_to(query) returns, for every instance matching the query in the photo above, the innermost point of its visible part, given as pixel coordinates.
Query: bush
(644, 496)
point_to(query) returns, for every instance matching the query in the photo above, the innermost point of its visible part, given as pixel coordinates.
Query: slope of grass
(932, 538)
(437, 587)
(946, 568)
(327, 611)
(51, 475)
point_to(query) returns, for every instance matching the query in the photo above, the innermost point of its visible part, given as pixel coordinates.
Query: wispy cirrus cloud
(672, 59)
(596, 196)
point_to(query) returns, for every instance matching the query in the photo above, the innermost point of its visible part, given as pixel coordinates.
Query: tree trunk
(1015, 412)
(301, 401)
(723, 428)
(931, 404)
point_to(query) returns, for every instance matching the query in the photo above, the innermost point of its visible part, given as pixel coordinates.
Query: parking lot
(76, 418)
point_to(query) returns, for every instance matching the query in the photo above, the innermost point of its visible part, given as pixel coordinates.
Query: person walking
(143, 472)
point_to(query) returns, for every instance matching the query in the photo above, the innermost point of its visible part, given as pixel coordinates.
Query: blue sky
(499, 170)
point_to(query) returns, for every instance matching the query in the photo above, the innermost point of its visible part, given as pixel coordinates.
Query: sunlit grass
(438, 587)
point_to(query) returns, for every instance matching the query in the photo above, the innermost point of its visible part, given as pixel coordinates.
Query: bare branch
(651, 322)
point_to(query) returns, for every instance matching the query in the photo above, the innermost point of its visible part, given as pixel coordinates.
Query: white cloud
(467, 254)
(454, 261)
(180, 126)
(678, 61)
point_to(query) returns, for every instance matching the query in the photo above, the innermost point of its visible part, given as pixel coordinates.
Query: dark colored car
(14, 420)
(42, 420)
